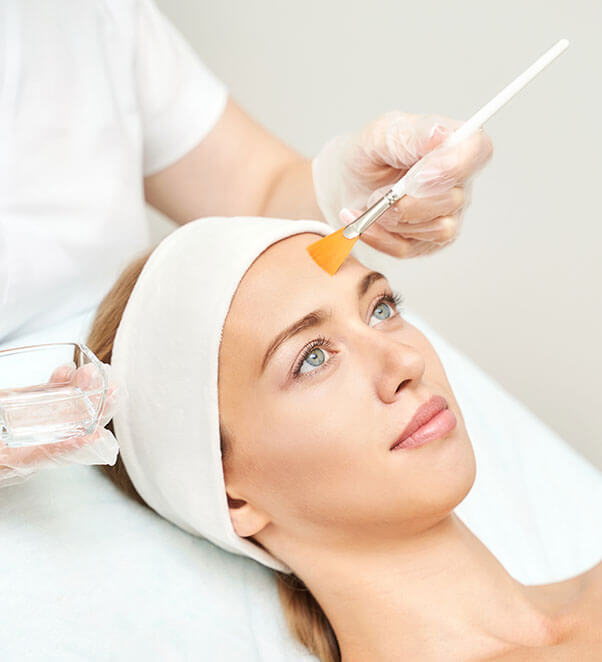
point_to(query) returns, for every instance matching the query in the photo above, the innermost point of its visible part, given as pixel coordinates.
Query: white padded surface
(90, 575)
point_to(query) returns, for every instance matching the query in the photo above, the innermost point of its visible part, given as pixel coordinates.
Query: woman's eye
(383, 311)
(388, 304)
(314, 356)
(314, 359)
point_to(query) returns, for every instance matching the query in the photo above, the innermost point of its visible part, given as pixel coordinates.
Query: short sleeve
(180, 99)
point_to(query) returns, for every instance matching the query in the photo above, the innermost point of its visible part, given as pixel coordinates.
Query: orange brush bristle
(330, 251)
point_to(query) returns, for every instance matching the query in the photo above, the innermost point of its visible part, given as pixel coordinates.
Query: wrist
(292, 193)
(328, 176)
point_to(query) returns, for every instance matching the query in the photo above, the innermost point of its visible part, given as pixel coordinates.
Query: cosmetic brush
(331, 251)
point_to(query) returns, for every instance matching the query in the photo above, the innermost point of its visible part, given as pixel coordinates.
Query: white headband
(165, 354)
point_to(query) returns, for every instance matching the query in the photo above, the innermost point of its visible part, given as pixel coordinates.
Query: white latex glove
(100, 447)
(351, 172)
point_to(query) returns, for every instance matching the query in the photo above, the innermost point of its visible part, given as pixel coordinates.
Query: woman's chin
(443, 470)
(455, 466)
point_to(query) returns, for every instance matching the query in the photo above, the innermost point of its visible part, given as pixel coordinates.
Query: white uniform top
(94, 95)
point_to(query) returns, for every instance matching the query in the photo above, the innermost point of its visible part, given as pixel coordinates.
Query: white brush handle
(488, 110)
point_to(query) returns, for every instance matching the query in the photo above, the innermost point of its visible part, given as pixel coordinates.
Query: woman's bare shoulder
(578, 603)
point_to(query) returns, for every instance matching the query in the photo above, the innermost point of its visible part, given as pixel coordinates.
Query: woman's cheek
(303, 443)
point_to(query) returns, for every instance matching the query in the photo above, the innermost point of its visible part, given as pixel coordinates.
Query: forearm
(291, 194)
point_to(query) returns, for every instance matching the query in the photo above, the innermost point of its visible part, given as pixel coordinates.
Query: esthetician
(104, 107)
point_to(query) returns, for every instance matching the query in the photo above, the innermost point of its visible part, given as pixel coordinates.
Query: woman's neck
(438, 595)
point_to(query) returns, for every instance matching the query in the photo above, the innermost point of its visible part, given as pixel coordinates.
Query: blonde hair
(305, 618)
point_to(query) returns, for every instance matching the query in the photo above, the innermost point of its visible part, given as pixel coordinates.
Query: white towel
(166, 355)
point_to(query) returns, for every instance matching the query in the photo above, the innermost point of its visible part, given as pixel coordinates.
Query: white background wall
(519, 291)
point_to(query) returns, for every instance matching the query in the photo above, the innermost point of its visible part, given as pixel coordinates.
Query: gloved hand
(350, 173)
(100, 447)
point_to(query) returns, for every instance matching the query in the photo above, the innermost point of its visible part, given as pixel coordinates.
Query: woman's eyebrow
(315, 318)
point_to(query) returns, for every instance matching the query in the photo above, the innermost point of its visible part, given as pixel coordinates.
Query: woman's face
(312, 452)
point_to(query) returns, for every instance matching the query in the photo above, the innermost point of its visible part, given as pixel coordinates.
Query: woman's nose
(400, 366)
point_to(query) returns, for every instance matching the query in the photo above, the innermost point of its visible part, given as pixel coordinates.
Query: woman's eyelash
(394, 298)
(317, 342)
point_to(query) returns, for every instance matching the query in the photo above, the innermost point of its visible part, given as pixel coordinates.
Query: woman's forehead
(286, 272)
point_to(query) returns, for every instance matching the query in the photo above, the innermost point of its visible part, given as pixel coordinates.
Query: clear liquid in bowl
(46, 414)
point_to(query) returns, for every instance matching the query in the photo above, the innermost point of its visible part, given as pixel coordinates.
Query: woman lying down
(296, 418)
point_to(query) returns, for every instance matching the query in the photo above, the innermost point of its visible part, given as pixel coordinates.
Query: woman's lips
(432, 420)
